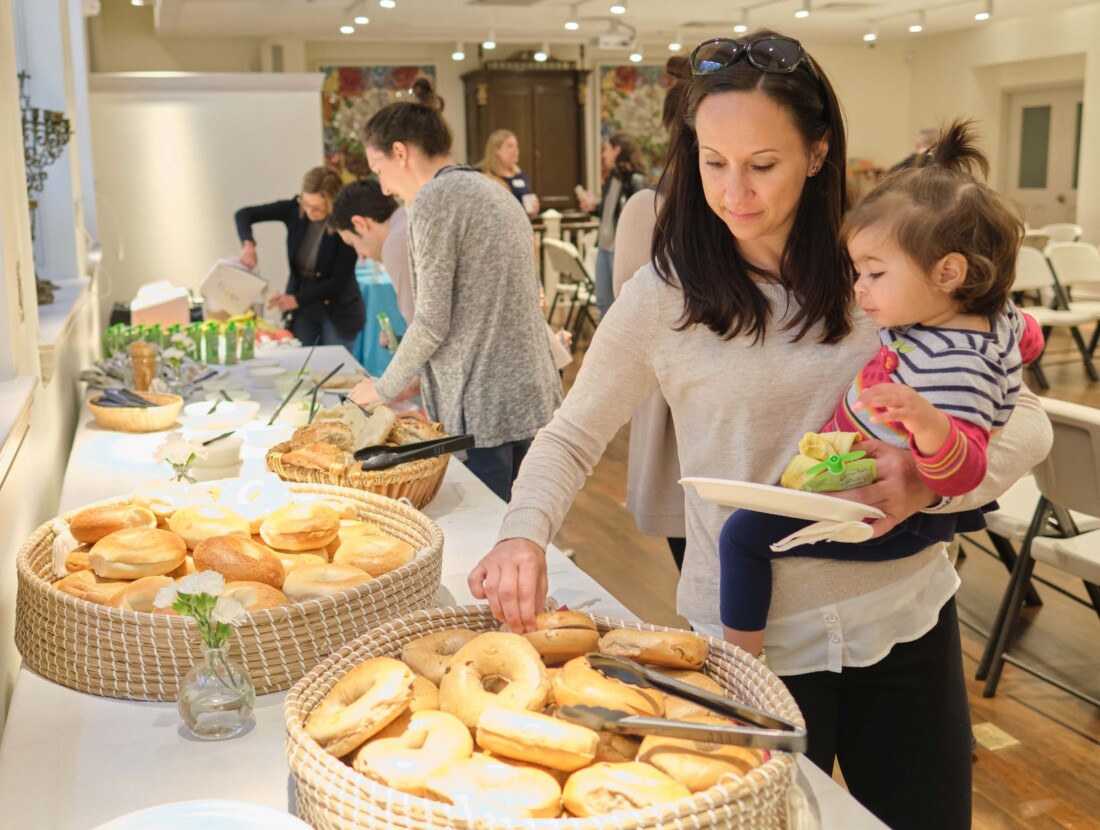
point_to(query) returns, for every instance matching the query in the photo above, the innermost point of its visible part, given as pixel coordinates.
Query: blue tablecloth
(378, 296)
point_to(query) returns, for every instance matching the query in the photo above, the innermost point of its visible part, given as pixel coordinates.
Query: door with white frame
(1044, 148)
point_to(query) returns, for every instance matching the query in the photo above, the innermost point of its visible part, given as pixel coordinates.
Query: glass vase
(179, 383)
(216, 697)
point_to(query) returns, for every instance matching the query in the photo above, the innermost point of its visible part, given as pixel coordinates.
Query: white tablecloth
(73, 760)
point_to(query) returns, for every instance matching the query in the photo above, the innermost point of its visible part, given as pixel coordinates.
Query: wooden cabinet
(543, 104)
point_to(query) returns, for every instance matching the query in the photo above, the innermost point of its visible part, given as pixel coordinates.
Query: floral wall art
(631, 100)
(350, 95)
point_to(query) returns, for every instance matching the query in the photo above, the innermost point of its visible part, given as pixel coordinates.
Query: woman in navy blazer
(322, 296)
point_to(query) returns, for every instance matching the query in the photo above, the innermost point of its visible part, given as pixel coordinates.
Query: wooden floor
(1050, 776)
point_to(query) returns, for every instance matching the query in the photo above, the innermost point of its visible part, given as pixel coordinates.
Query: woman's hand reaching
(898, 491)
(512, 577)
(248, 257)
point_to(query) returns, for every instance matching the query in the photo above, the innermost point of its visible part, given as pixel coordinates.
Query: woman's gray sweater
(477, 339)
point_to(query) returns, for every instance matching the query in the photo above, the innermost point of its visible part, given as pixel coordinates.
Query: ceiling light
(618, 8)
(677, 43)
(137, 2)
(636, 55)
(347, 30)
(388, 4)
(459, 54)
(489, 42)
(872, 34)
(804, 10)
(362, 19)
(542, 54)
(742, 24)
(986, 12)
(918, 25)
(572, 24)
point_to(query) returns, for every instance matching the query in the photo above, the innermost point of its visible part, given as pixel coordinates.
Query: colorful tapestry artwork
(631, 99)
(350, 95)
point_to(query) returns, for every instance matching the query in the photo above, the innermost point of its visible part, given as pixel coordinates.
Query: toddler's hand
(897, 403)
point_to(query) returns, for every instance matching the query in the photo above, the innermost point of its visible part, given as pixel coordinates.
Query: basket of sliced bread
(323, 452)
(440, 719)
(313, 566)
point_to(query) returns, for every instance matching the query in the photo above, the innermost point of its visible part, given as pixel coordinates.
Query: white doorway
(1044, 146)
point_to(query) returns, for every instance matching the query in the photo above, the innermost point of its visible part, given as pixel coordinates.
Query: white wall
(175, 157)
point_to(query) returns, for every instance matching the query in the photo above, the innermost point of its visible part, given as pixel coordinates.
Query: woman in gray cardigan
(477, 339)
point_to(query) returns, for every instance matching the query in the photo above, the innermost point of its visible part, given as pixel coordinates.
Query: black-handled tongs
(378, 458)
(766, 732)
(122, 399)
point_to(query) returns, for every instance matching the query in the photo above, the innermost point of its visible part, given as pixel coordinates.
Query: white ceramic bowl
(295, 413)
(222, 383)
(214, 473)
(233, 392)
(226, 416)
(285, 382)
(209, 814)
(223, 451)
(259, 434)
(263, 377)
(261, 363)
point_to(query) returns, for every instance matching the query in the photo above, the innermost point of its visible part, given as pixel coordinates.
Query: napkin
(825, 532)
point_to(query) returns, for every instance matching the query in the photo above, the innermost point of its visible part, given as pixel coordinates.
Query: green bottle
(210, 342)
(231, 344)
(248, 341)
(387, 329)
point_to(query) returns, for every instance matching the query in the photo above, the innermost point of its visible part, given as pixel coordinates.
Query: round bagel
(562, 635)
(579, 683)
(239, 559)
(87, 586)
(139, 594)
(486, 785)
(608, 788)
(312, 581)
(349, 529)
(376, 554)
(473, 679)
(430, 741)
(164, 498)
(345, 508)
(298, 527)
(430, 655)
(361, 703)
(671, 649)
(137, 552)
(254, 596)
(293, 561)
(677, 708)
(93, 523)
(536, 738)
(698, 765)
(202, 521)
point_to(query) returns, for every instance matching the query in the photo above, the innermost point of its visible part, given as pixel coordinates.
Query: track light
(677, 43)
(804, 10)
(573, 23)
(618, 8)
(636, 56)
(459, 54)
(872, 34)
(347, 30)
(489, 42)
(986, 12)
(543, 53)
(742, 24)
(388, 4)
(918, 26)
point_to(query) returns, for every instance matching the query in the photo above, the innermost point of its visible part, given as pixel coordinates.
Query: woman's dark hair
(363, 197)
(694, 246)
(940, 207)
(629, 160)
(418, 122)
(678, 68)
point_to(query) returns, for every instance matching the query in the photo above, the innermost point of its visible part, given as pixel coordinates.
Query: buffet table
(73, 760)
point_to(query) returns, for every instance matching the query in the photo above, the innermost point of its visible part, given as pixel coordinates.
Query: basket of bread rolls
(322, 452)
(441, 719)
(313, 565)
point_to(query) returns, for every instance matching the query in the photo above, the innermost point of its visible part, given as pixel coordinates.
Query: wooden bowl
(155, 418)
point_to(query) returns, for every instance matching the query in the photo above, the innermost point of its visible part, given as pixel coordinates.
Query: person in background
(501, 162)
(375, 225)
(622, 165)
(654, 495)
(477, 339)
(322, 297)
(746, 320)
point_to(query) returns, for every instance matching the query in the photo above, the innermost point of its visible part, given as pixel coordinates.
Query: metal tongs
(377, 458)
(122, 399)
(766, 732)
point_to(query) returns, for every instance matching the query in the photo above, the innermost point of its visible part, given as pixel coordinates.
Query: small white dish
(263, 363)
(259, 433)
(295, 413)
(286, 381)
(222, 452)
(780, 501)
(234, 393)
(227, 415)
(202, 472)
(263, 377)
(222, 383)
(209, 814)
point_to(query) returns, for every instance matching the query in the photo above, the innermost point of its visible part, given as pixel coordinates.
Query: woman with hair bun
(747, 322)
(322, 297)
(477, 339)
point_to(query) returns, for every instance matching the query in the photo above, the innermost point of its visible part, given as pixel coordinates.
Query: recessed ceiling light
(362, 20)
(347, 30)
(618, 8)
(636, 57)
(388, 4)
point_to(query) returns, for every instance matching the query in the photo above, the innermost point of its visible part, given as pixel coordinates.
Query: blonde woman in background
(501, 161)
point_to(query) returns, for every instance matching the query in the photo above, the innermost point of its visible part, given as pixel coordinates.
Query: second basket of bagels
(313, 565)
(439, 719)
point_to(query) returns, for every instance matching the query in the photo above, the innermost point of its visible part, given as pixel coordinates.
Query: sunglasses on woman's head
(768, 54)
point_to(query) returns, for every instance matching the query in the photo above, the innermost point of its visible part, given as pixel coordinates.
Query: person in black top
(322, 297)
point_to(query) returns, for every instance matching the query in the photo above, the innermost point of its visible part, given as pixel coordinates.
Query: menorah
(45, 134)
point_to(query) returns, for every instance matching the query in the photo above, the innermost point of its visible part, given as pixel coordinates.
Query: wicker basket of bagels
(323, 453)
(438, 719)
(313, 565)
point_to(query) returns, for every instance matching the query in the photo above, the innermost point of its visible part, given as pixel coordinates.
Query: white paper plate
(209, 815)
(768, 498)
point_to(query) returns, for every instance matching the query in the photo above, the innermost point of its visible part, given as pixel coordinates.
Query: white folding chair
(574, 282)
(1061, 231)
(1068, 480)
(1033, 274)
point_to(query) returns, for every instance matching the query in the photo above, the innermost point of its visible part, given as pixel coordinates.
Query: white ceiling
(522, 21)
